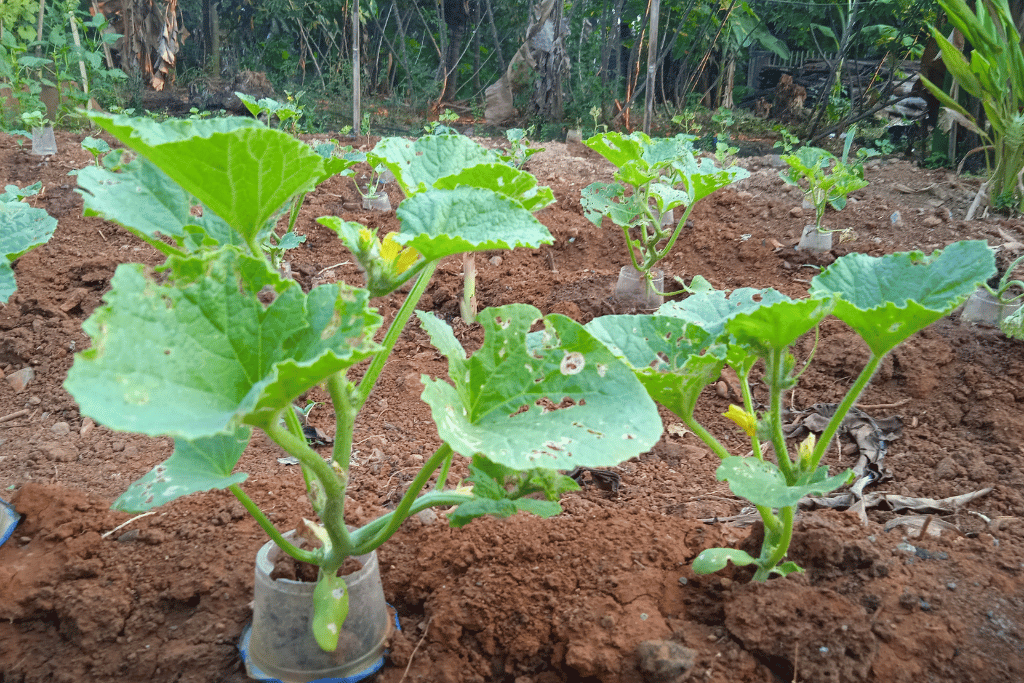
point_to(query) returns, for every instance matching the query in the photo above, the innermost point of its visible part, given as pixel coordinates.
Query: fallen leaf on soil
(920, 524)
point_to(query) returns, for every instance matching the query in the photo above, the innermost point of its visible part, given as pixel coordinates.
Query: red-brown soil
(594, 594)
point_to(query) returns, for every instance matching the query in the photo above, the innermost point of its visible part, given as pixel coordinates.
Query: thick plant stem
(332, 512)
(391, 338)
(771, 522)
(675, 235)
(268, 526)
(372, 530)
(780, 548)
(344, 418)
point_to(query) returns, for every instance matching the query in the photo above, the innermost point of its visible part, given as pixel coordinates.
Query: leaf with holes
(559, 401)
(198, 465)
(199, 354)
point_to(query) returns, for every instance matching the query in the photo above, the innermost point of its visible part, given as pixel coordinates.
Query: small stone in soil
(665, 660)
(21, 379)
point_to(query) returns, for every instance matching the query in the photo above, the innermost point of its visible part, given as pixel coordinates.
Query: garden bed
(165, 597)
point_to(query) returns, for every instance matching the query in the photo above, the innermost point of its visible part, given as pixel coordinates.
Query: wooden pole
(652, 65)
(356, 99)
(81, 62)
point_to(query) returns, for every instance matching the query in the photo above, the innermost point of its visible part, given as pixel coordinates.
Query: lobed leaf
(712, 309)
(239, 169)
(24, 228)
(194, 466)
(146, 202)
(712, 560)
(561, 401)
(505, 181)
(775, 326)
(200, 354)
(763, 483)
(439, 223)
(887, 299)
(418, 164)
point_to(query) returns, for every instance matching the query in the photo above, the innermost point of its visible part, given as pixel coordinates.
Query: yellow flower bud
(806, 450)
(745, 420)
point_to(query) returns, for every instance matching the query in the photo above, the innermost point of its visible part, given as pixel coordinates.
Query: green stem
(372, 531)
(844, 407)
(442, 477)
(776, 371)
(332, 512)
(772, 525)
(307, 556)
(296, 205)
(704, 435)
(254, 248)
(780, 549)
(391, 338)
(345, 414)
(748, 405)
(365, 540)
(291, 420)
(675, 235)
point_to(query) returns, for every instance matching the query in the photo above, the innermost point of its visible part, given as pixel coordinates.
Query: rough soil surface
(603, 592)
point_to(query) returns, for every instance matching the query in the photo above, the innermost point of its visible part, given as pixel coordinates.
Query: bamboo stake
(106, 48)
(81, 62)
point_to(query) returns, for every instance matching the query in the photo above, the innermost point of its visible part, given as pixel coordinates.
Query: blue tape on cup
(8, 520)
(256, 674)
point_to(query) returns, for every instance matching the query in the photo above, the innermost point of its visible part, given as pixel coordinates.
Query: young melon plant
(653, 178)
(678, 351)
(198, 351)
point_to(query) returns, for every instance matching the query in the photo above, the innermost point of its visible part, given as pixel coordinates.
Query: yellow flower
(745, 420)
(391, 252)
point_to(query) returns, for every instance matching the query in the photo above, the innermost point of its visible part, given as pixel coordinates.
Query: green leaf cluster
(829, 180)
(682, 348)
(216, 342)
(653, 177)
(992, 72)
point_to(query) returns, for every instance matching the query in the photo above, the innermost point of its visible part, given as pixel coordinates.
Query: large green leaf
(763, 483)
(503, 179)
(200, 354)
(560, 401)
(439, 223)
(239, 169)
(609, 199)
(712, 309)
(194, 466)
(418, 164)
(703, 177)
(649, 342)
(618, 148)
(887, 299)
(22, 228)
(146, 202)
(773, 327)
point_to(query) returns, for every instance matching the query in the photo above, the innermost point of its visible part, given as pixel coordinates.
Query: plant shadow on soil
(604, 591)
